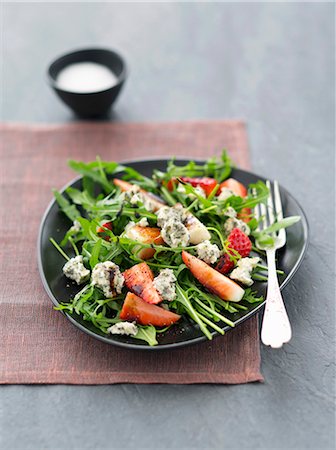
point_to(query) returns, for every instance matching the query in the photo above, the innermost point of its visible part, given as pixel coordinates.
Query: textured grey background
(272, 64)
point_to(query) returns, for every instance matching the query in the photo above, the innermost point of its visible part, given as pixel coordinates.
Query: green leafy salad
(147, 253)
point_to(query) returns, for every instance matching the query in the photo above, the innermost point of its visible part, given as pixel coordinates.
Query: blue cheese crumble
(124, 328)
(175, 234)
(244, 270)
(230, 212)
(107, 277)
(76, 227)
(131, 193)
(208, 252)
(135, 196)
(225, 193)
(164, 283)
(75, 270)
(142, 223)
(233, 222)
(167, 213)
(184, 227)
(198, 190)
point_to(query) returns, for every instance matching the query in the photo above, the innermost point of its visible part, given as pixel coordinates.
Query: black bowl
(95, 103)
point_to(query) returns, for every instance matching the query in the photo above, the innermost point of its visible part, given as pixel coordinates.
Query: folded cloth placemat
(37, 343)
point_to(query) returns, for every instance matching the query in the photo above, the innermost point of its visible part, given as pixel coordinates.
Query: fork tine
(256, 211)
(278, 209)
(263, 215)
(270, 205)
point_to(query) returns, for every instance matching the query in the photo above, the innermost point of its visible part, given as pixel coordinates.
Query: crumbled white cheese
(208, 252)
(107, 277)
(244, 269)
(175, 234)
(149, 204)
(167, 213)
(230, 212)
(145, 199)
(143, 222)
(200, 191)
(125, 328)
(135, 199)
(181, 188)
(133, 195)
(164, 283)
(75, 270)
(182, 222)
(130, 192)
(76, 227)
(225, 193)
(233, 222)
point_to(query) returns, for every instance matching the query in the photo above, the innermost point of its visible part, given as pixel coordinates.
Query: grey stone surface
(272, 64)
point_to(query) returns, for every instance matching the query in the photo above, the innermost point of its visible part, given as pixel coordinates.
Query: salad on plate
(148, 252)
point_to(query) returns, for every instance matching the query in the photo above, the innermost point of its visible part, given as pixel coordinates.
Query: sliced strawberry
(171, 183)
(224, 265)
(212, 280)
(102, 230)
(235, 186)
(206, 183)
(139, 280)
(126, 186)
(239, 242)
(238, 189)
(145, 235)
(135, 308)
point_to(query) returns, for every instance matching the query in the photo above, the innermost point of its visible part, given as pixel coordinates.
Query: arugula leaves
(94, 259)
(266, 238)
(147, 334)
(66, 207)
(218, 168)
(251, 296)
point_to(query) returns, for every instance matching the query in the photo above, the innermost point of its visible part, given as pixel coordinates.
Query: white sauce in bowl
(85, 77)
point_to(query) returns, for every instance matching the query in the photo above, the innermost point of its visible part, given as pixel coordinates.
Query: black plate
(55, 224)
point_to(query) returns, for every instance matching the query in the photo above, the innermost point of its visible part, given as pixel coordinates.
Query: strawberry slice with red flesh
(238, 189)
(135, 308)
(139, 280)
(171, 183)
(126, 186)
(235, 186)
(206, 183)
(239, 242)
(102, 230)
(212, 280)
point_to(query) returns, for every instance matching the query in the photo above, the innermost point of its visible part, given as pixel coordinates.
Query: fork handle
(275, 329)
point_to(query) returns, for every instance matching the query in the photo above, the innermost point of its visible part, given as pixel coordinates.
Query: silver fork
(275, 329)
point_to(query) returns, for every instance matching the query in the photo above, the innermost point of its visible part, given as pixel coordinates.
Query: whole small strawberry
(240, 243)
